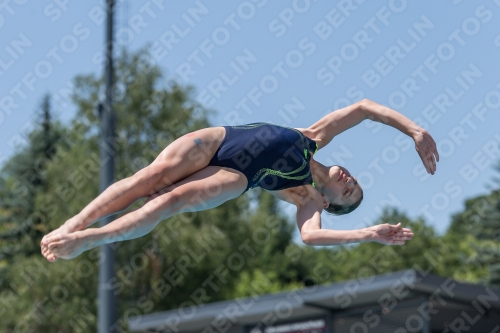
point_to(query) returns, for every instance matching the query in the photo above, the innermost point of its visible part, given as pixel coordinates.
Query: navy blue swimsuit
(270, 156)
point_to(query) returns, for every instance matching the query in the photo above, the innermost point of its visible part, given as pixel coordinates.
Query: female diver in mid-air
(203, 169)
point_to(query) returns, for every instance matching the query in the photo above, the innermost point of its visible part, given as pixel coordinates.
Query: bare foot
(46, 241)
(66, 246)
(70, 226)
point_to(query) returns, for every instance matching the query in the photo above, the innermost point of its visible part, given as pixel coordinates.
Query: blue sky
(291, 63)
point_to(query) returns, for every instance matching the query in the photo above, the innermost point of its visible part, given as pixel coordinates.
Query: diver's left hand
(426, 149)
(390, 234)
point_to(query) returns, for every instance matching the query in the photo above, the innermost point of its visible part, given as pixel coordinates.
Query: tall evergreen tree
(23, 213)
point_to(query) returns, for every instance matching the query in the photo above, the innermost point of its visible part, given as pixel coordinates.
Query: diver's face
(341, 188)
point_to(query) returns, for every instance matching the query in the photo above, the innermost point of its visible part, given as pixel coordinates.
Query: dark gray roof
(318, 300)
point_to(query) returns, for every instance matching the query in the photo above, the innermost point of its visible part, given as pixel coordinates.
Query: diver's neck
(320, 174)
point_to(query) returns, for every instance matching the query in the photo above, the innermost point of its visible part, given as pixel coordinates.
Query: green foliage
(259, 282)
(480, 222)
(480, 217)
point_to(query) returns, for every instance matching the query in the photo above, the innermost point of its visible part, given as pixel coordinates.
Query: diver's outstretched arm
(336, 122)
(324, 130)
(309, 223)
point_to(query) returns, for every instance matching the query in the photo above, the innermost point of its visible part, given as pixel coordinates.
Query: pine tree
(22, 179)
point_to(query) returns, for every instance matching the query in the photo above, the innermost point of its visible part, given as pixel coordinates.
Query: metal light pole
(106, 298)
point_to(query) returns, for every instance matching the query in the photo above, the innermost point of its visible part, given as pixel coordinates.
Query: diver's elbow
(307, 238)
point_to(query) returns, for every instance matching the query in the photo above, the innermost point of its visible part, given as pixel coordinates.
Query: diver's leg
(203, 190)
(183, 157)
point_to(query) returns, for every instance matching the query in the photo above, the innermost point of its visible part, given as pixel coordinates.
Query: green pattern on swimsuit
(264, 172)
